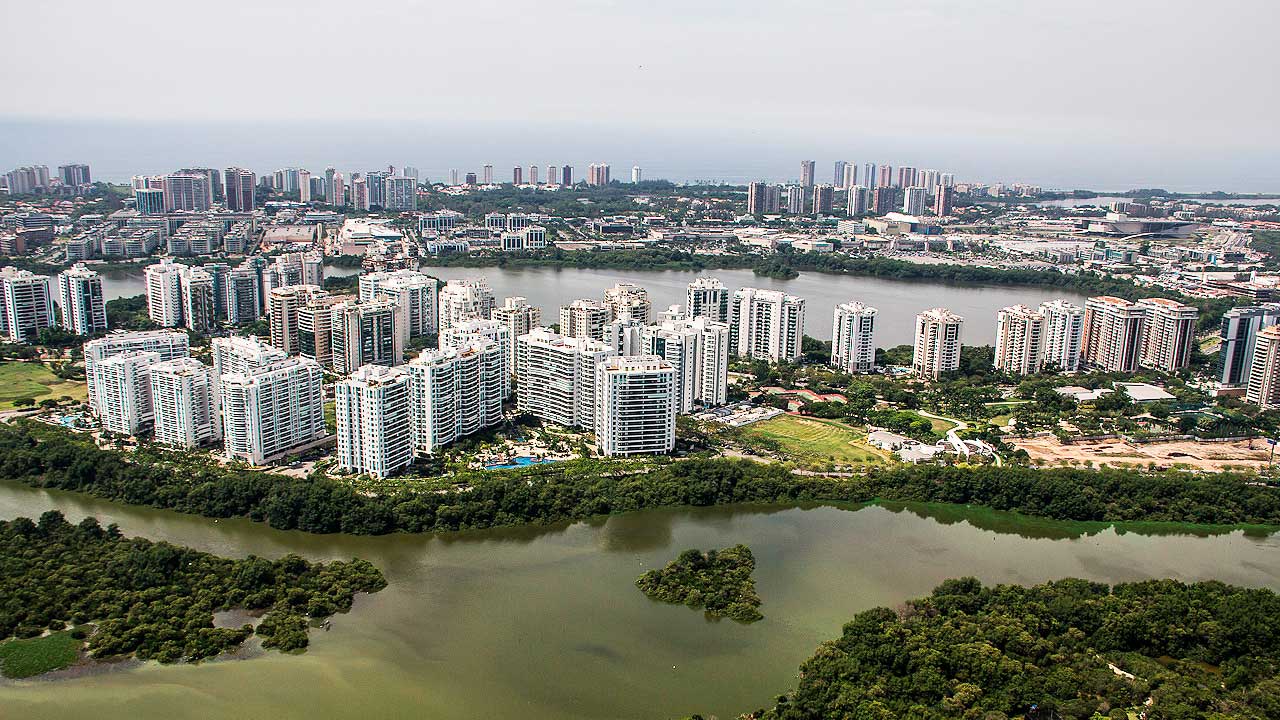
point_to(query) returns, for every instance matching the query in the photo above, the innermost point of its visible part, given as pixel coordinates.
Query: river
(545, 623)
(897, 300)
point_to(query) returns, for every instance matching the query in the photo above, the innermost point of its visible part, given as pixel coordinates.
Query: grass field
(34, 656)
(35, 381)
(812, 441)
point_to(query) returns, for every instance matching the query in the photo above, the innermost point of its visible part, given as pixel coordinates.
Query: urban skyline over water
(118, 150)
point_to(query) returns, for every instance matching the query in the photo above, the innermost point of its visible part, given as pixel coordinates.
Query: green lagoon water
(542, 623)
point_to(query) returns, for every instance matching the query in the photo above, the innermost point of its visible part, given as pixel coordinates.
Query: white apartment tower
(584, 318)
(456, 391)
(631, 299)
(184, 402)
(413, 291)
(937, 348)
(167, 344)
(465, 299)
(164, 293)
(766, 325)
(1264, 373)
(199, 309)
(80, 297)
(1169, 331)
(269, 412)
(707, 297)
(556, 377)
(698, 351)
(373, 409)
(26, 304)
(1063, 332)
(853, 348)
(283, 305)
(520, 318)
(1020, 340)
(122, 385)
(471, 331)
(365, 333)
(635, 406)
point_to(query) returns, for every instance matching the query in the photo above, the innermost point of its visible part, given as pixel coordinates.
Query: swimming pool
(522, 461)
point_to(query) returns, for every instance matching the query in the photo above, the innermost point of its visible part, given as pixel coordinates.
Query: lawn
(34, 656)
(813, 441)
(34, 380)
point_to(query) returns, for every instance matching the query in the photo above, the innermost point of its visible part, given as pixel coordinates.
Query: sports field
(35, 381)
(812, 441)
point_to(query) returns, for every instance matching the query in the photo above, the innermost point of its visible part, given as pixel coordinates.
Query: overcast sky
(1084, 93)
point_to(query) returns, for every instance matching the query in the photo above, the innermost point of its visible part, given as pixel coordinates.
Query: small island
(84, 593)
(719, 581)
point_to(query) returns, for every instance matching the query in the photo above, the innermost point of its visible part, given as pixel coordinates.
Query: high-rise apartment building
(517, 175)
(698, 351)
(556, 375)
(1020, 340)
(884, 199)
(359, 193)
(837, 174)
(869, 175)
(629, 299)
(807, 173)
(241, 185)
(244, 295)
(884, 178)
(376, 186)
(584, 318)
(553, 175)
(637, 175)
(913, 202)
(823, 199)
(74, 175)
(304, 186)
(942, 201)
(122, 387)
(315, 330)
(598, 174)
(859, 201)
(164, 293)
(269, 412)
(766, 325)
(763, 199)
(184, 403)
(26, 304)
(283, 305)
(465, 299)
(486, 173)
(1168, 334)
(937, 348)
(635, 406)
(373, 410)
(187, 192)
(413, 291)
(1263, 386)
(907, 177)
(199, 309)
(149, 201)
(238, 354)
(456, 391)
(796, 199)
(1064, 334)
(80, 298)
(520, 318)
(337, 190)
(366, 333)
(1112, 339)
(708, 298)
(1238, 335)
(166, 344)
(566, 175)
(400, 194)
(853, 348)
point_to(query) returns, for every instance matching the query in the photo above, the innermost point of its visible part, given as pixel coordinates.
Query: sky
(1088, 93)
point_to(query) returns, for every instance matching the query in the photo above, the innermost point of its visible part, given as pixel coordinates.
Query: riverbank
(44, 456)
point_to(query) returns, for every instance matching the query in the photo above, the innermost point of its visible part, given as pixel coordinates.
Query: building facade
(937, 346)
(271, 411)
(635, 406)
(853, 348)
(766, 325)
(1020, 340)
(184, 403)
(373, 409)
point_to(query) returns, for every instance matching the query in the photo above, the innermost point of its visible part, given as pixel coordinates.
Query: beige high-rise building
(1020, 340)
(584, 318)
(1112, 333)
(1168, 334)
(631, 299)
(1264, 373)
(283, 305)
(520, 318)
(937, 348)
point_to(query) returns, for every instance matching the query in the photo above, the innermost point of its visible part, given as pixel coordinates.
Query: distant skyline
(1089, 94)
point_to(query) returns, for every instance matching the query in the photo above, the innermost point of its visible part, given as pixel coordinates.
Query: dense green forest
(44, 456)
(1066, 650)
(156, 600)
(718, 580)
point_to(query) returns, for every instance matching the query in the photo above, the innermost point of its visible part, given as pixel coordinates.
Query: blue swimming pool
(519, 462)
